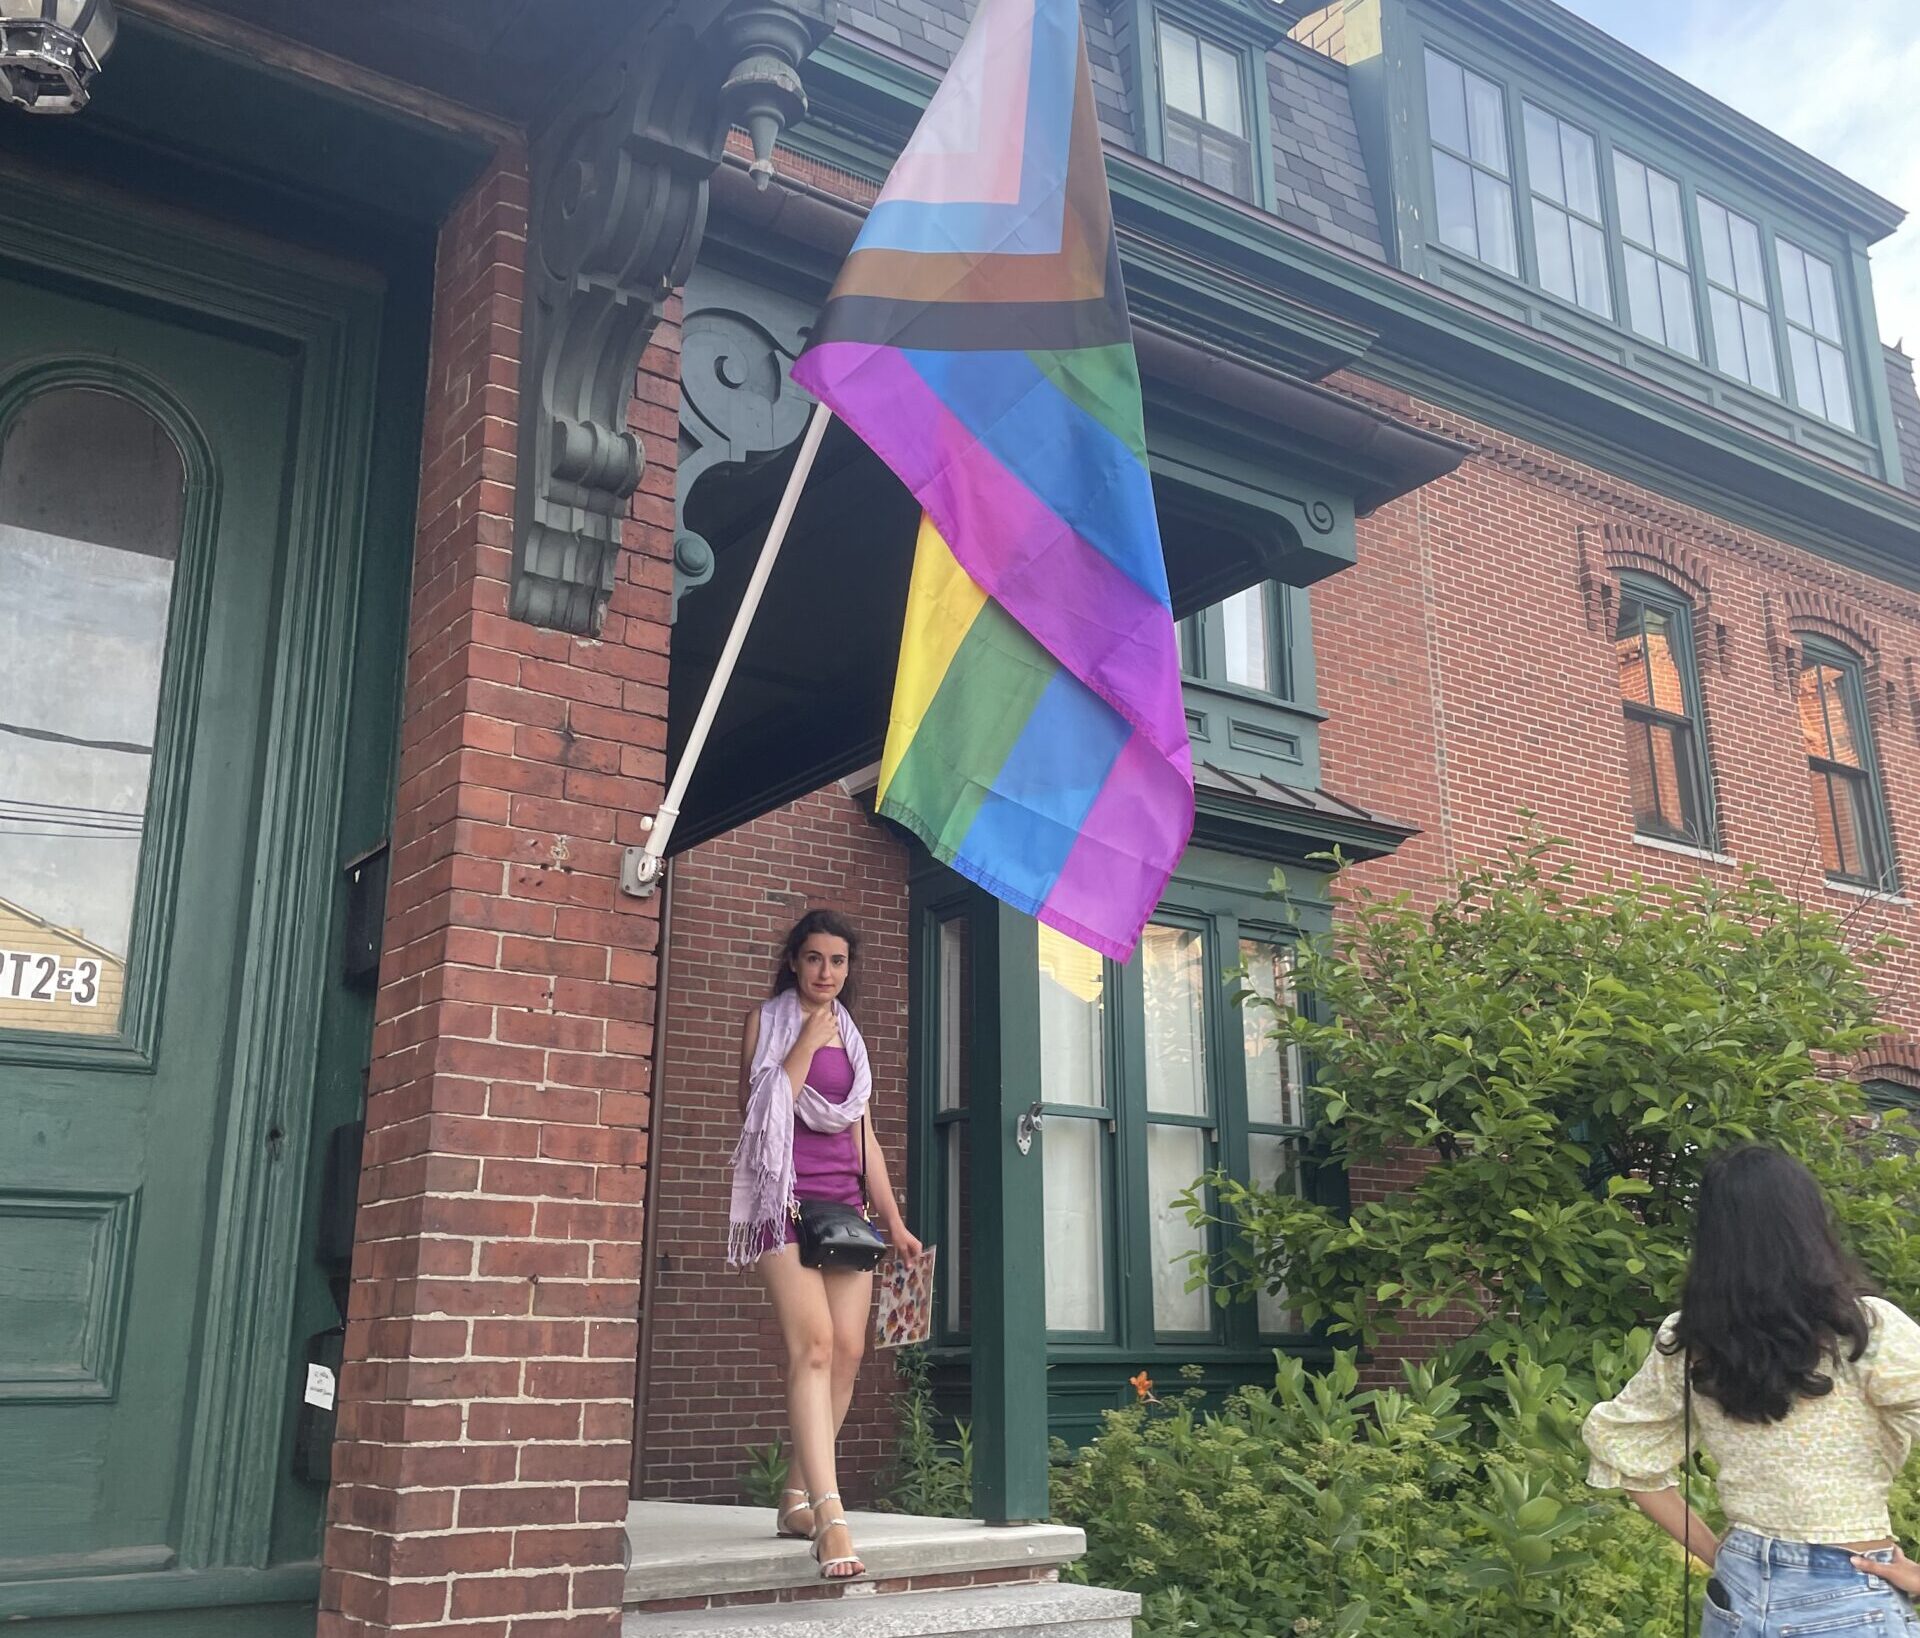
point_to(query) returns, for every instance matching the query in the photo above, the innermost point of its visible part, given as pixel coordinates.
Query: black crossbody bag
(833, 1236)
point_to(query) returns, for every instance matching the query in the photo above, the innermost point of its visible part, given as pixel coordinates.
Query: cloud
(1842, 82)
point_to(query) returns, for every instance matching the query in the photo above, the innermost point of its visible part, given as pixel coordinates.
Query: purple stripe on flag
(1129, 845)
(1089, 615)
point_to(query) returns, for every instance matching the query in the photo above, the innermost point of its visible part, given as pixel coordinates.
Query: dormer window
(1653, 228)
(1570, 238)
(1472, 171)
(1814, 352)
(1737, 297)
(1203, 94)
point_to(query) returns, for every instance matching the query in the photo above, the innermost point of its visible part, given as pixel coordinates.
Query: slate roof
(1297, 800)
(1321, 180)
(1906, 414)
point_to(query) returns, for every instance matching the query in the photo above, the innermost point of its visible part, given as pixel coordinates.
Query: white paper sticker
(320, 1387)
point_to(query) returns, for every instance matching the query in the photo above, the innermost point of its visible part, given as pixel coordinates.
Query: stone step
(1034, 1610)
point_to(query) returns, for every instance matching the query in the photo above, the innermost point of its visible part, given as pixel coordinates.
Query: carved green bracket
(619, 204)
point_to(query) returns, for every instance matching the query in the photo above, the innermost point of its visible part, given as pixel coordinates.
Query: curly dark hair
(835, 925)
(1771, 1294)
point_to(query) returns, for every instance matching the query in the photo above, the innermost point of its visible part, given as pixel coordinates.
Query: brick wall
(715, 1375)
(480, 1478)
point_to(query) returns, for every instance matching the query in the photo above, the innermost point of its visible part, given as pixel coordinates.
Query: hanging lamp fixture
(50, 51)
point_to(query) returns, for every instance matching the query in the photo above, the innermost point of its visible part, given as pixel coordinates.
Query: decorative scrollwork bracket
(619, 204)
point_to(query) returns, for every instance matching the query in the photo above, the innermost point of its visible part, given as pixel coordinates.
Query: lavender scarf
(763, 1159)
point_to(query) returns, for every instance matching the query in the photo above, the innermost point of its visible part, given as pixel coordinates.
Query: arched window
(1847, 814)
(1660, 701)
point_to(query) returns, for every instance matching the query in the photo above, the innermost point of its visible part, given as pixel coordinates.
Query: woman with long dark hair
(807, 1135)
(1802, 1386)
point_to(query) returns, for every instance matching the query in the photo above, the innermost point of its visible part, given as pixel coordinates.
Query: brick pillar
(480, 1477)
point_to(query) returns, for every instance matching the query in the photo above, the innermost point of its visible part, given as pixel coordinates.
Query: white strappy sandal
(829, 1566)
(805, 1506)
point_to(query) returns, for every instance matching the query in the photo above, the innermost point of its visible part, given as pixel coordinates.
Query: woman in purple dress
(805, 1088)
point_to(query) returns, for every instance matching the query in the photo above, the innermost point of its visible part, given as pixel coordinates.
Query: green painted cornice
(1289, 836)
(1558, 42)
(1250, 22)
(1316, 298)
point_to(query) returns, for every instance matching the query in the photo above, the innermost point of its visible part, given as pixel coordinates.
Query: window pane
(1750, 276)
(1176, 1156)
(1076, 1219)
(1835, 854)
(1550, 242)
(1493, 213)
(1826, 305)
(956, 1013)
(1446, 103)
(1220, 74)
(1669, 232)
(1793, 285)
(1761, 369)
(1243, 623)
(1660, 775)
(1813, 716)
(1676, 306)
(1582, 171)
(1630, 183)
(1715, 244)
(1630, 648)
(1842, 729)
(1274, 1163)
(1833, 377)
(1543, 153)
(1802, 349)
(1487, 123)
(1226, 163)
(1643, 294)
(92, 499)
(1183, 147)
(956, 1262)
(1453, 203)
(1663, 664)
(1729, 340)
(1173, 977)
(1850, 811)
(1180, 70)
(1072, 1022)
(1591, 286)
(1273, 1080)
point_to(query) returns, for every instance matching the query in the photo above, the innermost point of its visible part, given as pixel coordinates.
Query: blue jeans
(1787, 1589)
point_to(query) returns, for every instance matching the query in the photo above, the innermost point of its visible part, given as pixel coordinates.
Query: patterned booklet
(905, 1312)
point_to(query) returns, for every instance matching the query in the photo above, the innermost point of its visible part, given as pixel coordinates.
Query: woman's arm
(880, 1194)
(1668, 1509)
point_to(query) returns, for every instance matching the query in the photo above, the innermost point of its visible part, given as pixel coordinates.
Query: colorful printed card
(905, 1313)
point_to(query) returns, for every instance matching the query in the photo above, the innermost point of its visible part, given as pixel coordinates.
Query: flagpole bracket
(643, 868)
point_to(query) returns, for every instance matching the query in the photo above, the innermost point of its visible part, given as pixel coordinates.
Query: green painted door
(145, 461)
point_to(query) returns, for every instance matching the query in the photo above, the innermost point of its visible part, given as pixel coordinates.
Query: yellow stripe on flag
(942, 603)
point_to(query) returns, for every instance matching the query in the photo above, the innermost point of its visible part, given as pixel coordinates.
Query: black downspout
(656, 1110)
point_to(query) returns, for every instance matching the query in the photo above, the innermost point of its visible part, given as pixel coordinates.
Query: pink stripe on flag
(1098, 622)
(969, 145)
(1130, 843)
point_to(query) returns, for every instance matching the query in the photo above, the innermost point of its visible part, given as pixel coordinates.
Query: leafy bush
(1567, 1062)
(931, 1477)
(1315, 1509)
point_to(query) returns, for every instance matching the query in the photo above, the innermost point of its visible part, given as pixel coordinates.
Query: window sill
(1859, 890)
(1683, 850)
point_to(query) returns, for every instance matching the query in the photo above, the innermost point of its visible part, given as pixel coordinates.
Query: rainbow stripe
(977, 339)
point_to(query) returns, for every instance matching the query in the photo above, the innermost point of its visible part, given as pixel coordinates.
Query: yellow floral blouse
(1821, 1475)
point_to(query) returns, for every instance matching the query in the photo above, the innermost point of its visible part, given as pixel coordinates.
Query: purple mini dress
(826, 1165)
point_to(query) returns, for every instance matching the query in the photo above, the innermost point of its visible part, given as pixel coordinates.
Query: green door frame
(247, 1536)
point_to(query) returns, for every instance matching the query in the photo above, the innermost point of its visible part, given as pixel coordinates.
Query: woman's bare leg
(850, 1298)
(799, 1297)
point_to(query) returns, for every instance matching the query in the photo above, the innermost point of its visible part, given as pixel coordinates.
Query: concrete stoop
(696, 1569)
(1045, 1609)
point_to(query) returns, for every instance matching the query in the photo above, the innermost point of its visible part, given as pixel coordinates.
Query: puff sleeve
(1638, 1439)
(1891, 1377)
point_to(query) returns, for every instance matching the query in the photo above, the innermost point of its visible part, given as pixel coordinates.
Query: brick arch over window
(1631, 548)
(1897, 1062)
(1797, 613)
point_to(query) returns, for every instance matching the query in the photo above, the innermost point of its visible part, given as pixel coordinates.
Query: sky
(1839, 78)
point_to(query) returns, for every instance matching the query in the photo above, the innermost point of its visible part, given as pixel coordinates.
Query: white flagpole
(640, 868)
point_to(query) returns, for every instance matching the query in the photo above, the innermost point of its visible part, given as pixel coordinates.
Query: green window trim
(1246, 641)
(1776, 387)
(1667, 755)
(1849, 802)
(1206, 116)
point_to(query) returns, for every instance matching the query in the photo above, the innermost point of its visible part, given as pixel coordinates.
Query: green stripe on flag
(1105, 382)
(990, 689)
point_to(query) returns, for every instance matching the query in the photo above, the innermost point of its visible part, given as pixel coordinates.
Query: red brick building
(390, 409)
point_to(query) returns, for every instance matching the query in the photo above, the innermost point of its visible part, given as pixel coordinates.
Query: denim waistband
(1800, 1554)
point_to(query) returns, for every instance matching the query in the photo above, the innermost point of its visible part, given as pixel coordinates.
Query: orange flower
(1142, 1385)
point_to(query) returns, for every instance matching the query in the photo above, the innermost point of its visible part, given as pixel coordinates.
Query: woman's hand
(817, 1030)
(1902, 1572)
(905, 1246)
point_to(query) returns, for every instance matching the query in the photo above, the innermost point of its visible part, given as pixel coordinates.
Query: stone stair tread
(1041, 1609)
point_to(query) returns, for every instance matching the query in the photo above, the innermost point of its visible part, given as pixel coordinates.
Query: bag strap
(865, 1197)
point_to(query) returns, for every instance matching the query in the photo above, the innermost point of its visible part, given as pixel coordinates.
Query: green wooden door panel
(111, 1144)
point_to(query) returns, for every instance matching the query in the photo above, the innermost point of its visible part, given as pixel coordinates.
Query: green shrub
(1315, 1509)
(931, 1477)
